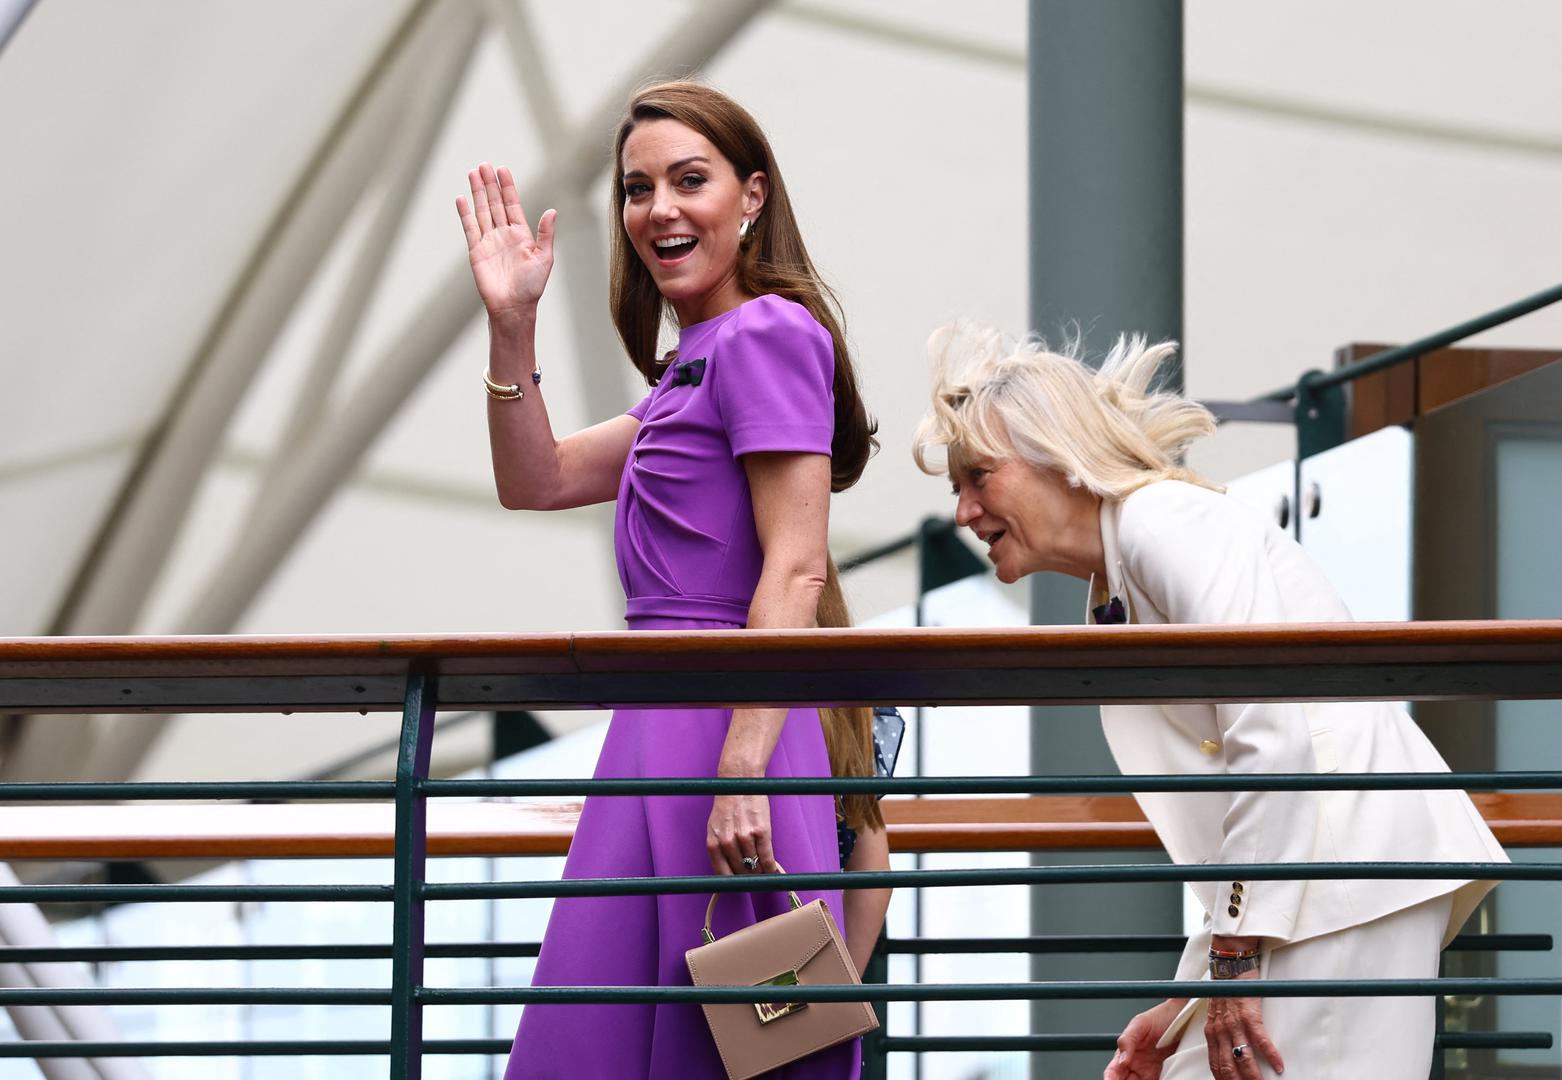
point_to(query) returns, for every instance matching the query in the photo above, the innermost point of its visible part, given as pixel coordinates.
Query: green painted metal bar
(1000, 785)
(127, 954)
(207, 995)
(1026, 991)
(123, 954)
(1168, 943)
(1032, 875)
(1463, 1040)
(1322, 419)
(231, 1048)
(182, 894)
(1105, 873)
(261, 791)
(967, 785)
(1468, 328)
(509, 995)
(933, 1044)
(1113, 873)
(874, 1063)
(417, 741)
(1422, 346)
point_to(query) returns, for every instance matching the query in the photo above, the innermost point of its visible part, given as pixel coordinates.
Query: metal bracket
(1321, 416)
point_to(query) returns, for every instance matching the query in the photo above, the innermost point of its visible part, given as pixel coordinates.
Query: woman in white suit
(1061, 468)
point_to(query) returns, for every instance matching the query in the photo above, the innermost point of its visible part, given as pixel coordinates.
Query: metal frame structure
(376, 149)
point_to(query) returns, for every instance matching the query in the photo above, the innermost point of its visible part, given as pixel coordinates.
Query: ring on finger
(750, 862)
(1240, 1050)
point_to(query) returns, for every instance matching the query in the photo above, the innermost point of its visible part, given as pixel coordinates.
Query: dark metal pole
(1106, 100)
(417, 740)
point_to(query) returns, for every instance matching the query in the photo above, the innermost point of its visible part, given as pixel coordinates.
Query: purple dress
(756, 378)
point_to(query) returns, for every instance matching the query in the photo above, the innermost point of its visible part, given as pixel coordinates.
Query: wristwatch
(1230, 965)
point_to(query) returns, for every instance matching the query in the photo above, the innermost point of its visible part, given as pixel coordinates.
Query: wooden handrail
(360, 830)
(1055, 665)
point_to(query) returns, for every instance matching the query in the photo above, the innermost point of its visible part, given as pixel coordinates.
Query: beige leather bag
(801, 947)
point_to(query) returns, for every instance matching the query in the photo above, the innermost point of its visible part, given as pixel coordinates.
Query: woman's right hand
(1136, 1057)
(509, 265)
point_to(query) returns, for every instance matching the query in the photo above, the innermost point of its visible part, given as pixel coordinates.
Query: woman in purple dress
(722, 475)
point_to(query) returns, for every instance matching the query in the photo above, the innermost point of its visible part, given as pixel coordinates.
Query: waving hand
(509, 264)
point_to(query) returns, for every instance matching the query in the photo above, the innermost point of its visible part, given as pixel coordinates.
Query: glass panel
(1528, 586)
(1354, 516)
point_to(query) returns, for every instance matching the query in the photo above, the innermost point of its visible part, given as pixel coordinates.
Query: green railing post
(875, 1062)
(1321, 415)
(417, 740)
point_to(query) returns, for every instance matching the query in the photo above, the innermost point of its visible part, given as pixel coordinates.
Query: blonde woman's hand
(1136, 1057)
(739, 829)
(509, 264)
(1239, 1022)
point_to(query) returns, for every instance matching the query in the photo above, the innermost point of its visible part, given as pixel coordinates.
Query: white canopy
(240, 351)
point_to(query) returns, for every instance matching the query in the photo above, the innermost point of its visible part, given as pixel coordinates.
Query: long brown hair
(773, 258)
(848, 733)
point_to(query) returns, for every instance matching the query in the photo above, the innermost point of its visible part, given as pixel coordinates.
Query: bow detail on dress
(690, 372)
(1111, 613)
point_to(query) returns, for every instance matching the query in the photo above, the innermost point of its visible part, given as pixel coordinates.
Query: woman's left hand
(1239, 1022)
(740, 829)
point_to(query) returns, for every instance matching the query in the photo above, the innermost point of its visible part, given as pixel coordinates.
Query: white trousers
(1344, 1038)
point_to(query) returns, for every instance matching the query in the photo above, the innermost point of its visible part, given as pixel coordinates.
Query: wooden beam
(1052, 665)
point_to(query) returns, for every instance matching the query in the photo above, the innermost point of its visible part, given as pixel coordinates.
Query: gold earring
(743, 229)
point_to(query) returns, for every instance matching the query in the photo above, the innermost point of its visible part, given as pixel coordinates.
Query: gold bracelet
(501, 392)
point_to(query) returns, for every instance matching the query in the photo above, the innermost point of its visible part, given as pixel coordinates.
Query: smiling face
(683, 204)
(1030, 519)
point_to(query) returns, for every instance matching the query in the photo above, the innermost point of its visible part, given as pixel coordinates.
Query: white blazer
(1179, 553)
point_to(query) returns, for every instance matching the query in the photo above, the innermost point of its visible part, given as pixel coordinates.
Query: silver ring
(1239, 1051)
(750, 862)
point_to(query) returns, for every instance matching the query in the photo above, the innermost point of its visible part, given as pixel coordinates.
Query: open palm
(509, 264)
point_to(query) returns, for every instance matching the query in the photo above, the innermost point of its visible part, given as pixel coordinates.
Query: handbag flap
(805, 941)
(781, 943)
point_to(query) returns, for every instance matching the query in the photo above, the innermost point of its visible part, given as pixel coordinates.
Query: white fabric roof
(186, 187)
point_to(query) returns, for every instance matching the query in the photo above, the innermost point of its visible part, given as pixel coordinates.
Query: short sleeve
(775, 380)
(638, 412)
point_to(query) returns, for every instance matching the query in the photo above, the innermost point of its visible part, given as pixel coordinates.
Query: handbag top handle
(710, 910)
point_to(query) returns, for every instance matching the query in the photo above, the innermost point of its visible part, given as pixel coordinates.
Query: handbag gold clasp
(775, 1010)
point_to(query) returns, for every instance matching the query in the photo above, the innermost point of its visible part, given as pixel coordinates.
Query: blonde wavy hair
(1110, 431)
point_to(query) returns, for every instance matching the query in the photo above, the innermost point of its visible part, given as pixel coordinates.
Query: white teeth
(674, 241)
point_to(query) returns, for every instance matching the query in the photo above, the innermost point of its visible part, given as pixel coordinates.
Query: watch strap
(1229, 967)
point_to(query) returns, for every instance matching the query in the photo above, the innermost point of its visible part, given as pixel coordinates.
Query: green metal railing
(1180, 664)
(1316, 402)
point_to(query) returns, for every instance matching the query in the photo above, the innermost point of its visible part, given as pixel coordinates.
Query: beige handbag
(801, 947)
